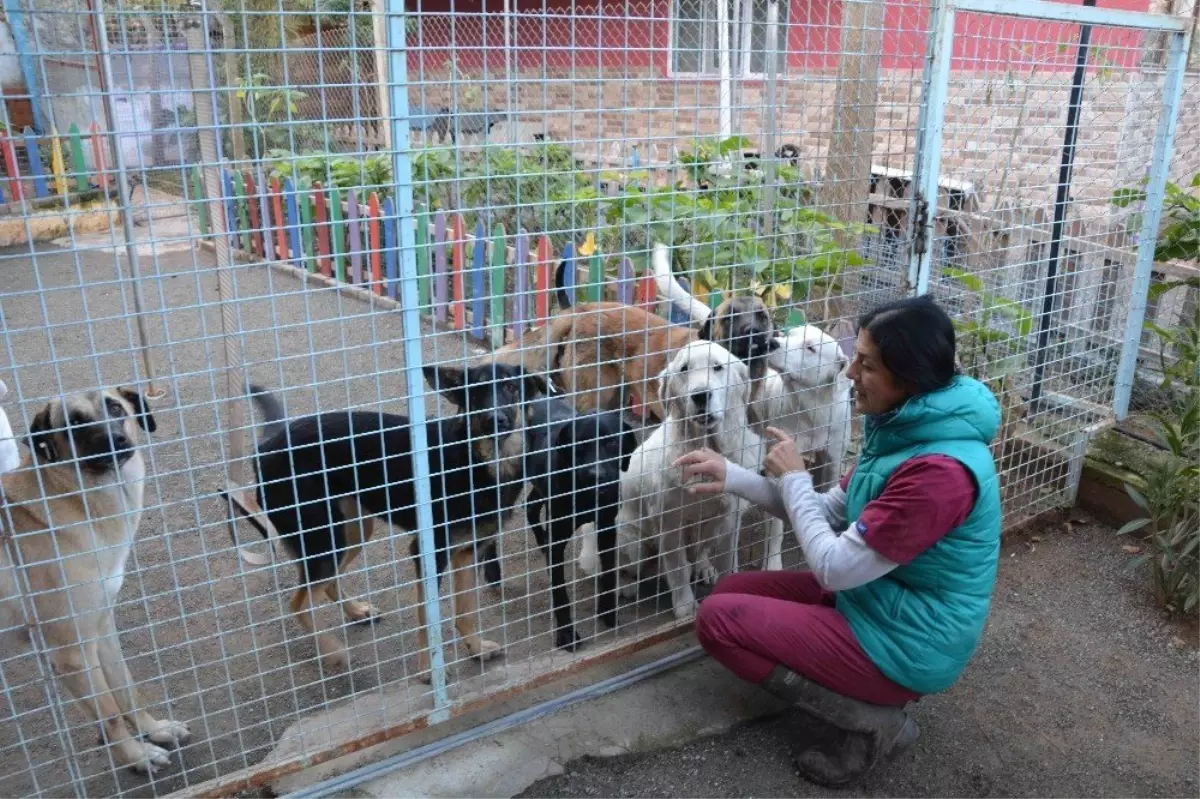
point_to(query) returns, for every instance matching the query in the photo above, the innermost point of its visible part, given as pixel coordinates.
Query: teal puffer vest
(921, 622)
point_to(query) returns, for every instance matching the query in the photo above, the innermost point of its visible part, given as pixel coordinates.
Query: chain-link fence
(326, 200)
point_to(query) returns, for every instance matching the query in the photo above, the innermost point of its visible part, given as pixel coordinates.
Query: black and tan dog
(573, 463)
(323, 480)
(600, 352)
(74, 504)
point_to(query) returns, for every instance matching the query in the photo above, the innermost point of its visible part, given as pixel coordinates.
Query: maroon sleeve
(845, 483)
(924, 499)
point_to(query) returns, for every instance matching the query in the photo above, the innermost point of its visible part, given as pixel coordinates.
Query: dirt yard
(1080, 688)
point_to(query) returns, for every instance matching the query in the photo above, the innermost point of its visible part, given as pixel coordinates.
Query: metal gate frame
(935, 90)
(930, 129)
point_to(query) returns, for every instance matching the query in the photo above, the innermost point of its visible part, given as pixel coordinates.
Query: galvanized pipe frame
(936, 85)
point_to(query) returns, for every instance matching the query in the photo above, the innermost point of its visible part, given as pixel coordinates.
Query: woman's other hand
(703, 463)
(783, 458)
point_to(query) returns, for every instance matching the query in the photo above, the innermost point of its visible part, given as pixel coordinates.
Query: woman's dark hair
(915, 338)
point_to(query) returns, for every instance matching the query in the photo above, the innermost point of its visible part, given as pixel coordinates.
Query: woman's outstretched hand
(783, 458)
(703, 463)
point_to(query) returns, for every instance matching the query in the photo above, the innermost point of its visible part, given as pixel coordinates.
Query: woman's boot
(861, 734)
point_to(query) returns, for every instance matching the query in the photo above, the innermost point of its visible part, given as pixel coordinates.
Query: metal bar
(1160, 165)
(413, 377)
(230, 785)
(389, 765)
(770, 126)
(1061, 200)
(16, 24)
(1083, 15)
(929, 143)
(124, 198)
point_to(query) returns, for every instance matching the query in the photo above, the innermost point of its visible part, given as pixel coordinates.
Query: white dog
(705, 391)
(807, 395)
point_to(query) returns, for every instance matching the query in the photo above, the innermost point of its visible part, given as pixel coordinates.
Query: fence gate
(328, 200)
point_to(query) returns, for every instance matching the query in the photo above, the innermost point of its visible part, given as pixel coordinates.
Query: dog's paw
(166, 732)
(685, 610)
(358, 611)
(708, 574)
(588, 560)
(774, 563)
(566, 638)
(485, 650)
(335, 658)
(140, 756)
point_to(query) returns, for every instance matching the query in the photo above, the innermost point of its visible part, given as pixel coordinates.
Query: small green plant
(1171, 524)
(269, 108)
(1179, 237)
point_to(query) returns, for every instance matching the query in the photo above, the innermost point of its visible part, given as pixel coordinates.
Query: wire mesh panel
(427, 235)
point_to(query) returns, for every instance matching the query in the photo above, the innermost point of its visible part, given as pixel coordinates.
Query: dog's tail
(242, 501)
(669, 287)
(270, 407)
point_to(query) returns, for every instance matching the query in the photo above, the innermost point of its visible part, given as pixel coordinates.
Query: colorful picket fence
(63, 176)
(490, 283)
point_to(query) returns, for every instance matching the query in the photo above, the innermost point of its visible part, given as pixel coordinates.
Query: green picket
(81, 178)
(199, 201)
(498, 259)
(306, 227)
(335, 235)
(242, 205)
(595, 289)
(422, 258)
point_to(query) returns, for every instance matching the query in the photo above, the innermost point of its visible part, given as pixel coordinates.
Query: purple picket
(391, 253)
(478, 291)
(355, 238)
(520, 299)
(441, 273)
(625, 282)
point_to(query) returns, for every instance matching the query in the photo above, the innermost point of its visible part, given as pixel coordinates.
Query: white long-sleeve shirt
(836, 552)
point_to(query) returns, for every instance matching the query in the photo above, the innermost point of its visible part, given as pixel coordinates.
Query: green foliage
(987, 350)
(269, 108)
(1179, 236)
(369, 172)
(1171, 524)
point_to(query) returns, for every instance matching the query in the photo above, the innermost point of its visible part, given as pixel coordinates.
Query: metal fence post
(414, 380)
(1164, 142)
(932, 120)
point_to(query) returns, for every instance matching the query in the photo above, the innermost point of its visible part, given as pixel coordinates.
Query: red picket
(374, 242)
(459, 303)
(544, 254)
(98, 156)
(320, 219)
(10, 166)
(281, 245)
(256, 228)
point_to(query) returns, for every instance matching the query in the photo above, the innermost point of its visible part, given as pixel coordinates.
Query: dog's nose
(700, 400)
(120, 441)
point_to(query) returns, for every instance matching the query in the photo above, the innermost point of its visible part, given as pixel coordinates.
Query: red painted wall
(615, 35)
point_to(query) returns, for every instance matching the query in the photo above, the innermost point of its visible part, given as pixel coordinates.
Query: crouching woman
(902, 553)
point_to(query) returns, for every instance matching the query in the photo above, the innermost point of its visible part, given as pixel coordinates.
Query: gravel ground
(1079, 689)
(207, 636)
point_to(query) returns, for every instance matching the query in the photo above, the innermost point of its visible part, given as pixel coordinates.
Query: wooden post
(846, 184)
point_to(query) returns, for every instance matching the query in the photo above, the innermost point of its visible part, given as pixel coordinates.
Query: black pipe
(1061, 201)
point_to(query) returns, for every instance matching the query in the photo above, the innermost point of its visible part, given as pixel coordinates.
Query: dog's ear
(536, 384)
(449, 382)
(706, 329)
(773, 344)
(41, 437)
(141, 409)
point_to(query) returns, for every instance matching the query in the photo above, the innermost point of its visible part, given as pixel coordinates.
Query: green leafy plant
(269, 107)
(991, 345)
(1171, 525)
(1179, 237)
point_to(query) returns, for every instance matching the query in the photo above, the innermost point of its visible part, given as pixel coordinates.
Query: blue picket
(568, 256)
(678, 316)
(391, 256)
(231, 224)
(625, 282)
(293, 221)
(37, 169)
(478, 267)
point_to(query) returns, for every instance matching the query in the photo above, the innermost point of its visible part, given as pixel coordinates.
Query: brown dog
(600, 352)
(74, 505)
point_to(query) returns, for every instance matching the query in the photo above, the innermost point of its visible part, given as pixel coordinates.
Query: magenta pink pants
(754, 621)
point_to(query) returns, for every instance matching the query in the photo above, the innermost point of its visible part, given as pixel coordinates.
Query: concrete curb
(694, 700)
